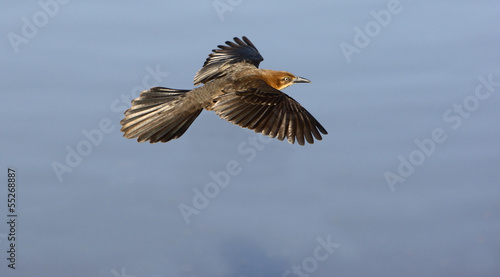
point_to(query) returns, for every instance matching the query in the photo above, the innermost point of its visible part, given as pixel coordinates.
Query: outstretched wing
(217, 62)
(268, 111)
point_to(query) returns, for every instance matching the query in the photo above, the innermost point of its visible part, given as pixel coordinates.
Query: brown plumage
(236, 90)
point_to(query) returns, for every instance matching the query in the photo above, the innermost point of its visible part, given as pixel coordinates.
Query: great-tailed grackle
(236, 90)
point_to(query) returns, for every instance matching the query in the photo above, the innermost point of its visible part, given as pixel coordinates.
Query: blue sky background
(117, 212)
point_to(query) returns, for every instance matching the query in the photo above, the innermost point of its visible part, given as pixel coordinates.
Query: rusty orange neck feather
(274, 78)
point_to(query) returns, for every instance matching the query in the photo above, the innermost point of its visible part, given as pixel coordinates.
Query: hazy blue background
(116, 213)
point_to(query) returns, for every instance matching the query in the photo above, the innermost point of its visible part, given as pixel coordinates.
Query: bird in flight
(235, 89)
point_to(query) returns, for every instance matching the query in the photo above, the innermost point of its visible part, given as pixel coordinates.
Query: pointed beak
(300, 80)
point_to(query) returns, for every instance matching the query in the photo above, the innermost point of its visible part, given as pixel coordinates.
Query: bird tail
(159, 115)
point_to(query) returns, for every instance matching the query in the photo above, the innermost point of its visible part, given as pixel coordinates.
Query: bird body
(235, 89)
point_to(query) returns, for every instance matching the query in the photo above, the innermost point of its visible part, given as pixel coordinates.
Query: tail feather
(159, 115)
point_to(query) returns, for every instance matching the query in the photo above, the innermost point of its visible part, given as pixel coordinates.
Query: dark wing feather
(218, 62)
(268, 111)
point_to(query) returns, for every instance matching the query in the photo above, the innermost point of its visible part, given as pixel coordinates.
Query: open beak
(300, 80)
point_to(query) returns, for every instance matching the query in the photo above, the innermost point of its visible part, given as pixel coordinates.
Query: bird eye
(286, 79)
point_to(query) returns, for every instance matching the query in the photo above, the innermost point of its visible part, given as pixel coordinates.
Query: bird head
(282, 79)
